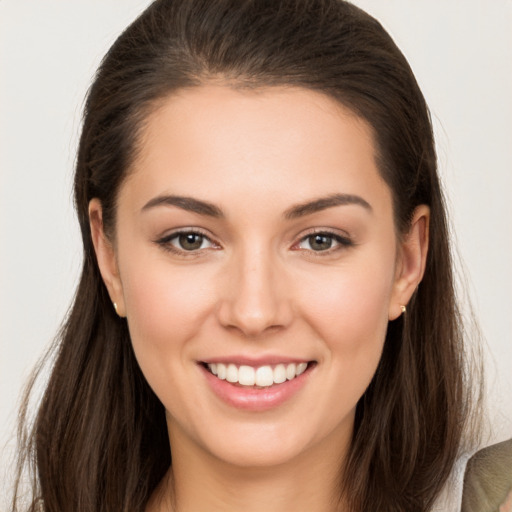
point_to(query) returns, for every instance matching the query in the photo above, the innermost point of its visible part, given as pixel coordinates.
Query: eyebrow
(299, 210)
(317, 205)
(185, 203)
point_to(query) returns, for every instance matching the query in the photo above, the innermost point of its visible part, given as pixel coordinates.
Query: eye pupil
(320, 242)
(190, 241)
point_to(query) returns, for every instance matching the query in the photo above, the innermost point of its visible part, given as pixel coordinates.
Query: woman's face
(255, 240)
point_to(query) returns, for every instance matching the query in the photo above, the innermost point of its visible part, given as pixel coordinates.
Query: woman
(266, 316)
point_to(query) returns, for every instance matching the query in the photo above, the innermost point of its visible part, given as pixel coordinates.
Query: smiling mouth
(258, 377)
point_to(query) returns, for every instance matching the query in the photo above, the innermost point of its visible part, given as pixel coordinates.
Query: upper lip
(268, 360)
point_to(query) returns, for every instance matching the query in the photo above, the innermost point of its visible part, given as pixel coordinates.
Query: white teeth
(279, 374)
(301, 368)
(246, 376)
(221, 371)
(232, 373)
(263, 376)
(290, 371)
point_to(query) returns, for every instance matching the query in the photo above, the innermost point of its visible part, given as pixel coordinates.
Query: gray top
(488, 478)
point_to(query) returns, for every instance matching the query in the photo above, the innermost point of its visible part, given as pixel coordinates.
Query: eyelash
(343, 242)
(166, 242)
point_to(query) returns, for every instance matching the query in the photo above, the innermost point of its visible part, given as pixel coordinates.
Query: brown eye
(186, 242)
(320, 242)
(190, 241)
(323, 242)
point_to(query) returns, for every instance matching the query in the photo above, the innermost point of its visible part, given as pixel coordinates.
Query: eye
(189, 241)
(323, 241)
(186, 241)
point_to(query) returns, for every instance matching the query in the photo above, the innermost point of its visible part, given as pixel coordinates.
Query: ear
(412, 257)
(106, 257)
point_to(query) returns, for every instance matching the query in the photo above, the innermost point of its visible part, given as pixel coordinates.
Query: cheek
(347, 310)
(165, 307)
(350, 312)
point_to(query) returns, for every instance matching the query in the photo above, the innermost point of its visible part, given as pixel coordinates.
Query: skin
(257, 286)
(506, 506)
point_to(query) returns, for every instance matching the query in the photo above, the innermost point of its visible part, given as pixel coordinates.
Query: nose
(255, 297)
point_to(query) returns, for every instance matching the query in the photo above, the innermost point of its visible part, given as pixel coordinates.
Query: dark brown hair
(99, 441)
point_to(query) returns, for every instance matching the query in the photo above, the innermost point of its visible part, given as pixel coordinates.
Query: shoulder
(488, 478)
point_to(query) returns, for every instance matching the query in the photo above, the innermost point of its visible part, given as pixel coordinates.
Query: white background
(461, 53)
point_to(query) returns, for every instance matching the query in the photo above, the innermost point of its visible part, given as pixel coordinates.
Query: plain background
(461, 53)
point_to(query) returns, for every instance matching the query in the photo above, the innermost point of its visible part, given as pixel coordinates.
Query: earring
(115, 307)
(403, 308)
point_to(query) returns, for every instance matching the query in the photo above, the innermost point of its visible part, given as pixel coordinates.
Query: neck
(200, 481)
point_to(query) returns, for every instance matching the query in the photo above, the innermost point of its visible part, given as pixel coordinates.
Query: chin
(260, 445)
(265, 453)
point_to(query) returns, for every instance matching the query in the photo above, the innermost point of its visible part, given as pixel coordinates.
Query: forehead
(277, 143)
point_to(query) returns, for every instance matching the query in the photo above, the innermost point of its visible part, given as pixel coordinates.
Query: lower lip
(256, 399)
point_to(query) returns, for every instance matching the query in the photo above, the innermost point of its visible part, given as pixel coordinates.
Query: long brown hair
(99, 441)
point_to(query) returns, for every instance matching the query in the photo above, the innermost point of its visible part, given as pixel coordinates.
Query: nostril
(254, 304)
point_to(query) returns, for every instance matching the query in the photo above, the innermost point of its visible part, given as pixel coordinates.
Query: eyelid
(343, 239)
(165, 241)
